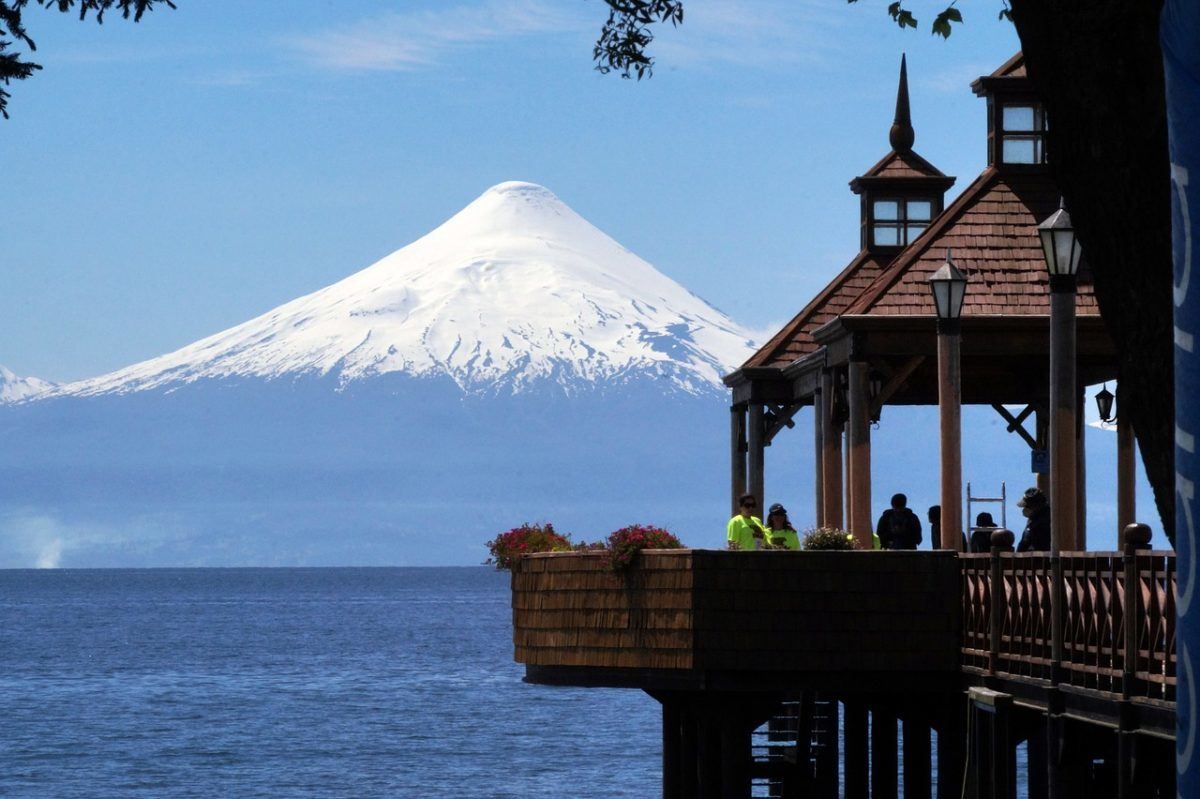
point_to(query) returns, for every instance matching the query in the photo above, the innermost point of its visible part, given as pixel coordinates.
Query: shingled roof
(795, 339)
(991, 229)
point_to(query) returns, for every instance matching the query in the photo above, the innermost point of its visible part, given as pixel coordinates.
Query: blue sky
(182, 175)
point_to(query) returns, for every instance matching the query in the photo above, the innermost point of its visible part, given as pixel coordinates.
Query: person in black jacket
(981, 534)
(1036, 508)
(899, 527)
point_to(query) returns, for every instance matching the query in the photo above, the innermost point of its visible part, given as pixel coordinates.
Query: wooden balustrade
(1118, 624)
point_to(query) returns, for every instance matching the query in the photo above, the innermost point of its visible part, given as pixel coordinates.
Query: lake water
(295, 683)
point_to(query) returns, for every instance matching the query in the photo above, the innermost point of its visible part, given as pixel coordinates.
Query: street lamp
(1104, 404)
(1062, 252)
(1062, 262)
(949, 288)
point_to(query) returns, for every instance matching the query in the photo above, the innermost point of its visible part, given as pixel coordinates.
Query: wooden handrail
(1118, 616)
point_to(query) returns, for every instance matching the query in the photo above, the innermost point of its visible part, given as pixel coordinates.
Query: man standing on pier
(899, 527)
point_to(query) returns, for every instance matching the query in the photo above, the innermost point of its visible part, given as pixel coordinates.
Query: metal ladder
(974, 500)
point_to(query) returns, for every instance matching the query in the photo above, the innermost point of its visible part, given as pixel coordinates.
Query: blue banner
(1180, 33)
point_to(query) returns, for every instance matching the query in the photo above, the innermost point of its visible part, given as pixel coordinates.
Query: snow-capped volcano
(17, 389)
(514, 290)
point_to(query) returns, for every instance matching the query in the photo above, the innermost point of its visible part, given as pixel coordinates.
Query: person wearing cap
(745, 530)
(780, 533)
(981, 533)
(1036, 509)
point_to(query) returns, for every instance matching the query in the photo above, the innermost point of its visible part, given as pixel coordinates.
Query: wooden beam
(778, 417)
(896, 381)
(1015, 423)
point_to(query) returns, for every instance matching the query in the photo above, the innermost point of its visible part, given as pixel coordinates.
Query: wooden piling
(884, 761)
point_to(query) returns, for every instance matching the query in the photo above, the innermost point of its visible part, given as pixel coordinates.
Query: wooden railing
(1118, 618)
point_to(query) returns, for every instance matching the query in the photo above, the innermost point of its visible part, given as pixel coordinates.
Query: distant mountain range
(514, 363)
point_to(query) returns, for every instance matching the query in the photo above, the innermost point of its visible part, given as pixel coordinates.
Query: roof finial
(902, 135)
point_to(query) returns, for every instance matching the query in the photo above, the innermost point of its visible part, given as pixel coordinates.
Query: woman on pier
(780, 533)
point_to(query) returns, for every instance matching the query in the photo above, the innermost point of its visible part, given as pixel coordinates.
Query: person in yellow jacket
(745, 530)
(780, 533)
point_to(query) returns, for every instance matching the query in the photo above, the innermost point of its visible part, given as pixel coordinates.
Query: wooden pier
(951, 653)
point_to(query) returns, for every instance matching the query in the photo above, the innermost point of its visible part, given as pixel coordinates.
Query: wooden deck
(845, 621)
(696, 618)
(729, 642)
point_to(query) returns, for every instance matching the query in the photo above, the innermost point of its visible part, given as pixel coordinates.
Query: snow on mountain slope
(16, 389)
(514, 290)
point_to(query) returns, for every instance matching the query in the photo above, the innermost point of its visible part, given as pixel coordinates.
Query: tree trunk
(1097, 65)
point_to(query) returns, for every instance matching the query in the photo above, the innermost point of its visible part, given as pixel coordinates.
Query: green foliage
(941, 25)
(12, 25)
(902, 16)
(624, 38)
(827, 539)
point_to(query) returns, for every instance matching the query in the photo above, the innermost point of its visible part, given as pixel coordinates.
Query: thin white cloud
(421, 39)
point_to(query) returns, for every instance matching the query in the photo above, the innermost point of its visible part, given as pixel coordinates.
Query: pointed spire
(902, 135)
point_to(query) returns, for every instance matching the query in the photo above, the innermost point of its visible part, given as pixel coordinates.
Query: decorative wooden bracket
(895, 382)
(776, 418)
(1015, 423)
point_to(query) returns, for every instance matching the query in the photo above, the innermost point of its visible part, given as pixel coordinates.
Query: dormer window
(897, 221)
(1022, 132)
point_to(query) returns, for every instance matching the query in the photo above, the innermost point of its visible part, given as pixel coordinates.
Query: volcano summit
(514, 292)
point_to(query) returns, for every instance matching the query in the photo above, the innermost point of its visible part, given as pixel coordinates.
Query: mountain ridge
(513, 292)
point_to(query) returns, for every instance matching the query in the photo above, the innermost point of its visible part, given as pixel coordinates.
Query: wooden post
(818, 461)
(949, 415)
(1081, 473)
(1042, 429)
(1063, 399)
(735, 756)
(917, 782)
(1035, 763)
(848, 486)
(708, 755)
(855, 740)
(858, 477)
(689, 777)
(737, 455)
(826, 784)
(757, 453)
(884, 764)
(1126, 469)
(672, 764)
(951, 748)
(999, 597)
(832, 439)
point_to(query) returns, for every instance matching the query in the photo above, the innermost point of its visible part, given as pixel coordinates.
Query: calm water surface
(295, 683)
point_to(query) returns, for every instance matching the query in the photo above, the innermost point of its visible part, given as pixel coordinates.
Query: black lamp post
(949, 288)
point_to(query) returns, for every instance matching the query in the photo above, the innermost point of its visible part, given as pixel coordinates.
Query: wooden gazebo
(869, 338)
